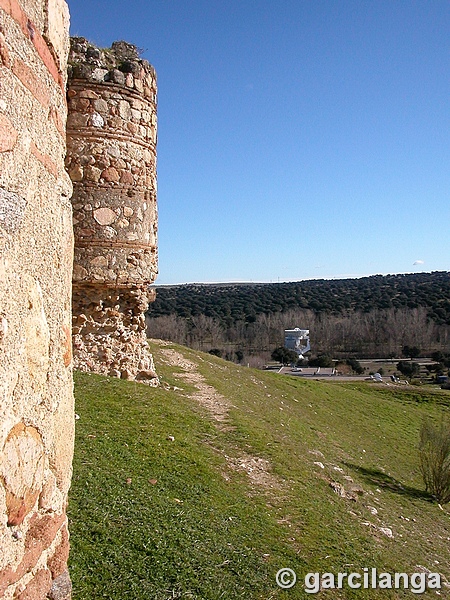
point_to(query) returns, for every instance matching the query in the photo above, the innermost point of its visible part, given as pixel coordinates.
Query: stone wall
(36, 253)
(111, 159)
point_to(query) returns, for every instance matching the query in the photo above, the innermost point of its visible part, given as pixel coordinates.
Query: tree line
(232, 303)
(375, 334)
(368, 317)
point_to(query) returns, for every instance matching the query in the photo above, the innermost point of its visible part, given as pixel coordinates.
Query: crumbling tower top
(113, 65)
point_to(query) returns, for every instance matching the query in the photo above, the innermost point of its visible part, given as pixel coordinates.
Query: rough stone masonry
(111, 159)
(112, 163)
(36, 256)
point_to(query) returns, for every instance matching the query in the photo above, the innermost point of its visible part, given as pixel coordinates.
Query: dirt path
(216, 404)
(257, 469)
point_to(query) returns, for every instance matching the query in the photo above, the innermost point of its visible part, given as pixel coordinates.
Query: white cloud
(418, 262)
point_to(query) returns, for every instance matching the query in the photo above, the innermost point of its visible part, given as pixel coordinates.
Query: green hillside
(207, 486)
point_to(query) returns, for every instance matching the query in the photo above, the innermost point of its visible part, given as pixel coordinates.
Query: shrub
(434, 451)
(302, 362)
(284, 355)
(411, 351)
(408, 369)
(216, 352)
(355, 365)
(323, 360)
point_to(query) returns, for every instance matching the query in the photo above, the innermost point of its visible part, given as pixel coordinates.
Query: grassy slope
(202, 530)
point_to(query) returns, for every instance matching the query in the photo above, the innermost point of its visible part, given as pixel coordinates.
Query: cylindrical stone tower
(111, 159)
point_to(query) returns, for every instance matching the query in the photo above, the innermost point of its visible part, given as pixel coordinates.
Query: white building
(297, 340)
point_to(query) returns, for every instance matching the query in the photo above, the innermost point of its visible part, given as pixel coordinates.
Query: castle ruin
(111, 159)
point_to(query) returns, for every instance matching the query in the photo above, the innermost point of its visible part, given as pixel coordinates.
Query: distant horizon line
(271, 281)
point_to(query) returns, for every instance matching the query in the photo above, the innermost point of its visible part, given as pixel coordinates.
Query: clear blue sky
(296, 138)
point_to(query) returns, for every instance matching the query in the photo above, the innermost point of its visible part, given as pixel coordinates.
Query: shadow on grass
(382, 480)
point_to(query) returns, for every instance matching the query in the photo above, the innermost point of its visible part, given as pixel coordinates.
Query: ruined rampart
(111, 159)
(36, 240)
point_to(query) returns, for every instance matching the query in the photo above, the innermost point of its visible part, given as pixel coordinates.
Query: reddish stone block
(67, 355)
(38, 587)
(110, 174)
(7, 576)
(41, 534)
(44, 159)
(58, 562)
(132, 127)
(17, 13)
(43, 530)
(17, 509)
(6, 5)
(30, 80)
(126, 178)
(44, 52)
(8, 134)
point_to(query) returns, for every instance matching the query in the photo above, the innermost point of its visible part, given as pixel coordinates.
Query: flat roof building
(298, 340)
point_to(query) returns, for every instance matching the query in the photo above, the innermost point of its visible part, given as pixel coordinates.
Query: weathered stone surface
(58, 562)
(126, 178)
(125, 110)
(31, 81)
(101, 106)
(99, 74)
(37, 336)
(8, 134)
(113, 151)
(115, 232)
(36, 257)
(96, 120)
(97, 347)
(111, 174)
(12, 207)
(105, 216)
(61, 588)
(67, 345)
(22, 471)
(42, 531)
(76, 173)
(38, 587)
(4, 53)
(99, 261)
(56, 28)
(79, 272)
(77, 120)
(125, 51)
(50, 497)
(92, 174)
(117, 76)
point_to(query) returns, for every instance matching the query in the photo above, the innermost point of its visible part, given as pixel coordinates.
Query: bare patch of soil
(257, 469)
(216, 404)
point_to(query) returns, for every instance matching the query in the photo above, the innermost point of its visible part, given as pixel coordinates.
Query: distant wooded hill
(232, 303)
